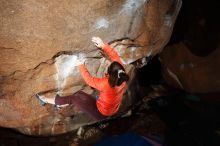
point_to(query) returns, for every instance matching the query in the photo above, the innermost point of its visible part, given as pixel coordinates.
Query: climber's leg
(51, 100)
(87, 104)
(63, 101)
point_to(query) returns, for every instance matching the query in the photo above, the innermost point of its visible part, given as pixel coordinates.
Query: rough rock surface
(191, 60)
(40, 41)
(182, 69)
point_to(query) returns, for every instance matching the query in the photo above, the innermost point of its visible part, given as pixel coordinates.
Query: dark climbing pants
(85, 102)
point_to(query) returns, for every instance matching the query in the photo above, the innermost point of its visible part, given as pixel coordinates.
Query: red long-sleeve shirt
(109, 98)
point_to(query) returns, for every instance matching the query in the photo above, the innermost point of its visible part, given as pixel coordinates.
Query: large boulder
(191, 60)
(40, 41)
(184, 70)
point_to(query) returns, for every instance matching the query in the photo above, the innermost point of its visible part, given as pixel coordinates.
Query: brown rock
(39, 41)
(185, 70)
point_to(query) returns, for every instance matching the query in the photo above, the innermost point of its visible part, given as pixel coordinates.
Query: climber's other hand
(98, 42)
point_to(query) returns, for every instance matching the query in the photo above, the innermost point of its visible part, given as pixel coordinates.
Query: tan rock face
(40, 41)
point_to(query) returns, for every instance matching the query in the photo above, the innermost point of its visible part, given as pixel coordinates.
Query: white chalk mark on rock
(168, 20)
(102, 23)
(66, 65)
(133, 49)
(132, 5)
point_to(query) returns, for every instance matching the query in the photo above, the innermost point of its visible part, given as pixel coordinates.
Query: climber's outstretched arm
(113, 55)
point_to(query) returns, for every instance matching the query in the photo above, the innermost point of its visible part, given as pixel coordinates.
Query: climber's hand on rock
(98, 42)
(81, 59)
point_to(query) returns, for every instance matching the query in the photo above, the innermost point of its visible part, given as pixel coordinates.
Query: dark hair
(117, 74)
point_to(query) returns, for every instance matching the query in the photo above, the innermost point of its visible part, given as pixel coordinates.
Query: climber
(111, 86)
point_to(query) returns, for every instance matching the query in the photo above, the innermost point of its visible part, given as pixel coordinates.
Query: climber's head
(117, 74)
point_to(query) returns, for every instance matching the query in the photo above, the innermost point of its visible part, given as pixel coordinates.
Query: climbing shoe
(42, 103)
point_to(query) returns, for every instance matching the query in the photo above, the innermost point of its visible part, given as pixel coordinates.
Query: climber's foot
(41, 100)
